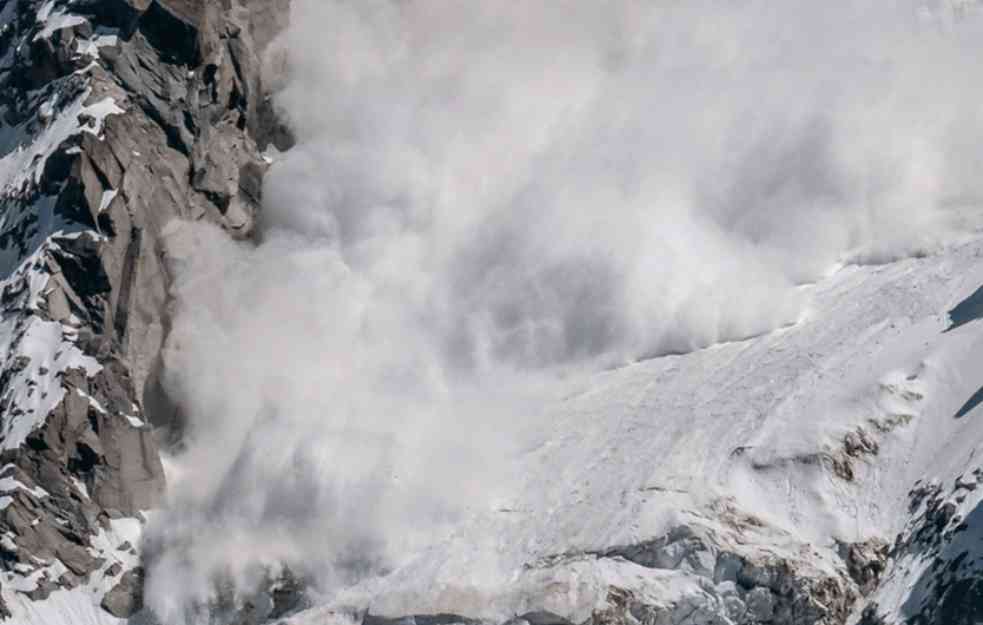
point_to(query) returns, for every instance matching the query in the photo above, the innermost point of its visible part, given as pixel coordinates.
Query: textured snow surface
(575, 589)
(53, 18)
(107, 199)
(90, 47)
(79, 606)
(9, 484)
(35, 351)
(629, 453)
(58, 21)
(24, 165)
(64, 607)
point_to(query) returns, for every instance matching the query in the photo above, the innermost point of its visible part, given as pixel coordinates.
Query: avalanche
(766, 428)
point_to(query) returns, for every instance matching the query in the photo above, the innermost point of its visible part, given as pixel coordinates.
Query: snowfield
(818, 431)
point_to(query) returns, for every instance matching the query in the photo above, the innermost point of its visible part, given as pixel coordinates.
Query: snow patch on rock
(34, 351)
(23, 167)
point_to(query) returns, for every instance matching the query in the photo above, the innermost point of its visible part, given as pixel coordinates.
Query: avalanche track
(794, 446)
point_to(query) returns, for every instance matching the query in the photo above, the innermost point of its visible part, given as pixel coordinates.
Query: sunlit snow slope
(792, 446)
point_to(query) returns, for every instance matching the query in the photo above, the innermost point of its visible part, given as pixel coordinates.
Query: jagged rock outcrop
(116, 117)
(126, 597)
(936, 558)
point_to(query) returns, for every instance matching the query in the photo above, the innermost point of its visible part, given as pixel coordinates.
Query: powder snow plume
(486, 196)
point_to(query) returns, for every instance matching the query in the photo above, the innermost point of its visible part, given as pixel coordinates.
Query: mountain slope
(820, 472)
(823, 473)
(112, 112)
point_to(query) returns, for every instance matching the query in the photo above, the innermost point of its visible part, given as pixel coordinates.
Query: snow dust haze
(487, 193)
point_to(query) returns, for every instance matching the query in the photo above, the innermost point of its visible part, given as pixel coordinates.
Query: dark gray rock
(126, 597)
(760, 603)
(450, 619)
(544, 618)
(866, 562)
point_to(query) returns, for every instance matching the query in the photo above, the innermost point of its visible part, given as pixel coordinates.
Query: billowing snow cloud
(487, 193)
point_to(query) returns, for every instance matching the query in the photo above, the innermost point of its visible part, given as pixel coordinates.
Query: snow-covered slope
(791, 460)
(823, 473)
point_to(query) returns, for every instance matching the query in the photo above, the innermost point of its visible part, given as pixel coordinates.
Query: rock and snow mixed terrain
(104, 138)
(827, 472)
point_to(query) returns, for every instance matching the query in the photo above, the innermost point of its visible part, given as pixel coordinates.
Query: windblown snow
(545, 282)
(627, 454)
(552, 280)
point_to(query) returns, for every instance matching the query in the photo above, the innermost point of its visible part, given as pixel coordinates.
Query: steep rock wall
(116, 117)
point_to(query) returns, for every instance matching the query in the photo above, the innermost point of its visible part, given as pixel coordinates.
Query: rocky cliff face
(116, 117)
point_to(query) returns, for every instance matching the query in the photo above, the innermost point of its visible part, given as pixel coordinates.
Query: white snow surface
(81, 605)
(9, 484)
(45, 11)
(24, 165)
(45, 350)
(90, 47)
(627, 454)
(53, 18)
(58, 21)
(107, 198)
(64, 607)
